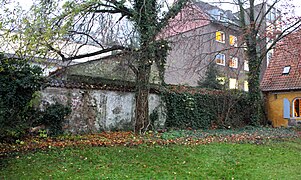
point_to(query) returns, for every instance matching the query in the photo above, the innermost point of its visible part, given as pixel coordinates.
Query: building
(268, 22)
(203, 34)
(281, 83)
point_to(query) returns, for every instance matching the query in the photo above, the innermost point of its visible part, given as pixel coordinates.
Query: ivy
(18, 83)
(202, 111)
(54, 116)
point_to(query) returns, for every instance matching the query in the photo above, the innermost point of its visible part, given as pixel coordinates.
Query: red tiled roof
(287, 53)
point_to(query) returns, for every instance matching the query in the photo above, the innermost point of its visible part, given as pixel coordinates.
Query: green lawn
(275, 160)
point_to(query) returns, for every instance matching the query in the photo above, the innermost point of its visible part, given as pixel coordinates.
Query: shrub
(18, 82)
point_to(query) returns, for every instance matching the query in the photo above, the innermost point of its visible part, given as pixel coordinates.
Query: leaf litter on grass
(183, 137)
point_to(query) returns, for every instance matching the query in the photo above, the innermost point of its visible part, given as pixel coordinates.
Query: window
(220, 59)
(233, 62)
(246, 65)
(220, 36)
(221, 80)
(233, 83)
(286, 70)
(297, 107)
(246, 86)
(271, 17)
(233, 40)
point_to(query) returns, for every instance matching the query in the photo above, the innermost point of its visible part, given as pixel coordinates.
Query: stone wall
(100, 110)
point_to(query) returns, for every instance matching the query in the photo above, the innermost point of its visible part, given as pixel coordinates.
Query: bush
(54, 116)
(18, 82)
(203, 111)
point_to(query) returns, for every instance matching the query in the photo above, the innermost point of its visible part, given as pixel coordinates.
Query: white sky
(226, 6)
(281, 5)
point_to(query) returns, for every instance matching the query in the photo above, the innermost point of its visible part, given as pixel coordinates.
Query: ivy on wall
(206, 110)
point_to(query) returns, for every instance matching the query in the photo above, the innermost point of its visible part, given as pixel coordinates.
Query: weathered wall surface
(99, 110)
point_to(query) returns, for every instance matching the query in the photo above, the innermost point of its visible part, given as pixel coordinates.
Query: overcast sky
(226, 6)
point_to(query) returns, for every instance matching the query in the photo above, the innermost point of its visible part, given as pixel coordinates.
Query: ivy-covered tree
(61, 29)
(260, 25)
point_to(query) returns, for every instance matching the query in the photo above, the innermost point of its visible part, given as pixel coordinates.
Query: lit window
(233, 40)
(286, 70)
(233, 83)
(246, 86)
(220, 36)
(297, 107)
(220, 59)
(233, 62)
(246, 65)
(221, 80)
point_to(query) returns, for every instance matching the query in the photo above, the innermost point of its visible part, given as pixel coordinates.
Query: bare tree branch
(116, 47)
(88, 35)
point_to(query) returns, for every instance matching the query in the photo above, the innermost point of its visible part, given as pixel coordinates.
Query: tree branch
(282, 35)
(56, 51)
(88, 35)
(116, 47)
(117, 7)
(175, 9)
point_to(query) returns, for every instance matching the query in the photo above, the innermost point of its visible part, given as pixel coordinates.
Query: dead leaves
(109, 139)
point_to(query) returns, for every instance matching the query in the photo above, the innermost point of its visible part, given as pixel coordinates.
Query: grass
(274, 160)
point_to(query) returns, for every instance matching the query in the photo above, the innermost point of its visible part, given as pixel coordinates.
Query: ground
(253, 153)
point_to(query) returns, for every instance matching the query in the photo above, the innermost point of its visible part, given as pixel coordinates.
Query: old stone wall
(100, 110)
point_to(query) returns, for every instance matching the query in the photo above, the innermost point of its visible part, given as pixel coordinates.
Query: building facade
(203, 34)
(281, 83)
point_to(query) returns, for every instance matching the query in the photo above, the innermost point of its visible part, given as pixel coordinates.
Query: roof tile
(287, 53)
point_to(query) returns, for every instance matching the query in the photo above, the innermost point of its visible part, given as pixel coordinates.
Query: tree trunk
(142, 93)
(254, 79)
(254, 90)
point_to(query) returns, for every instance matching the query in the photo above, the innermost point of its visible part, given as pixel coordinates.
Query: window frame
(221, 79)
(236, 64)
(224, 59)
(246, 65)
(246, 86)
(235, 41)
(236, 83)
(223, 37)
(294, 110)
(286, 70)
